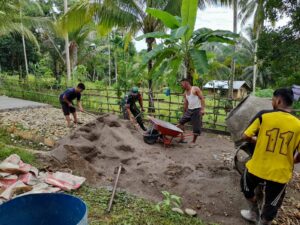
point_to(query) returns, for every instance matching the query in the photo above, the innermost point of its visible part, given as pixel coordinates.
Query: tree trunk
(189, 70)
(25, 55)
(255, 66)
(109, 61)
(230, 91)
(24, 45)
(68, 65)
(94, 73)
(116, 67)
(151, 108)
(73, 50)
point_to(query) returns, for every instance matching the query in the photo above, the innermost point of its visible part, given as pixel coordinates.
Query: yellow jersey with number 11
(278, 137)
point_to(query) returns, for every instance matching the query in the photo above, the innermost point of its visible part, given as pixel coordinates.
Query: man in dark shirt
(67, 105)
(130, 100)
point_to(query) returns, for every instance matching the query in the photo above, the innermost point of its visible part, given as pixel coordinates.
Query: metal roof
(223, 84)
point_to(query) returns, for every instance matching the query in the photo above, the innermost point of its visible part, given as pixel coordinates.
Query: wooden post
(170, 99)
(107, 99)
(158, 109)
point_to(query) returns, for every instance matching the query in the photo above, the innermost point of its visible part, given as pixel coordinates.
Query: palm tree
(10, 21)
(233, 63)
(77, 40)
(68, 63)
(255, 8)
(14, 19)
(129, 14)
(27, 5)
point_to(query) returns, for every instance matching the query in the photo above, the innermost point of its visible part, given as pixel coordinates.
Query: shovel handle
(114, 189)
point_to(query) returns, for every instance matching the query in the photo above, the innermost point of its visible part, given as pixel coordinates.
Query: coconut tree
(33, 7)
(66, 36)
(19, 17)
(255, 9)
(12, 23)
(128, 14)
(77, 40)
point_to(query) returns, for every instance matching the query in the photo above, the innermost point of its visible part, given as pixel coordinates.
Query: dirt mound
(198, 174)
(203, 176)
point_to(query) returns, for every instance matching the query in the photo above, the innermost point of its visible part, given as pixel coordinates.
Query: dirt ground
(44, 125)
(203, 175)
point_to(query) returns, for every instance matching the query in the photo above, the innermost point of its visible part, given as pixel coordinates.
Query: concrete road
(7, 104)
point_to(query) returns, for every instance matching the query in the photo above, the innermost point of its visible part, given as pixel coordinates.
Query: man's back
(132, 98)
(278, 136)
(70, 94)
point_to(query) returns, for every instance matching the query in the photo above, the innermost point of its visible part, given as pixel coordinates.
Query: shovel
(88, 113)
(114, 189)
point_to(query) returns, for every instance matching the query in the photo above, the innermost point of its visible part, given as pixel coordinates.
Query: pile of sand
(199, 175)
(96, 149)
(203, 176)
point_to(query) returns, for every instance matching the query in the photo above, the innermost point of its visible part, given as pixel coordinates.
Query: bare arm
(202, 99)
(130, 116)
(80, 106)
(185, 103)
(141, 102)
(249, 139)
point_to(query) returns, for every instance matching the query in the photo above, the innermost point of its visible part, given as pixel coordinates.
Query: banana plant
(180, 52)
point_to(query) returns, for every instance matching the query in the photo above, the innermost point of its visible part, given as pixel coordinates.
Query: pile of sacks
(17, 178)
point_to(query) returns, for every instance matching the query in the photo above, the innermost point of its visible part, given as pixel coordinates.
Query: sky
(213, 18)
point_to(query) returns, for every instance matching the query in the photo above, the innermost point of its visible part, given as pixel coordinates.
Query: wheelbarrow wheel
(151, 137)
(243, 154)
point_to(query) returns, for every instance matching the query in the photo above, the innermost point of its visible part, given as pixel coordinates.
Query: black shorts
(274, 193)
(66, 108)
(193, 116)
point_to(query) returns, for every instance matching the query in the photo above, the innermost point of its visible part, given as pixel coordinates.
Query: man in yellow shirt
(277, 137)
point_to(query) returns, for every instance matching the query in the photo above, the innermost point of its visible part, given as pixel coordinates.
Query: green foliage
(8, 147)
(127, 210)
(79, 74)
(12, 56)
(296, 105)
(169, 20)
(182, 45)
(188, 16)
(264, 93)
(279, 51)
(42, 69)
(170, 201)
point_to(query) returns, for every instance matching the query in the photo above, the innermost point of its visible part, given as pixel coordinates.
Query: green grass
(6, 138)
(214, 118)
(26, 156)
(8, 147)
(128, 210)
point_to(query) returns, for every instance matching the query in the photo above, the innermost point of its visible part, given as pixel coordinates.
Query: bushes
(264, 93)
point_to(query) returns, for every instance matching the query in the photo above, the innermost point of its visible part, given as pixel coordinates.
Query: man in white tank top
(194, 107)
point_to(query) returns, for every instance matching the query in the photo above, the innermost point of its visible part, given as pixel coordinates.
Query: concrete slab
(8, 104)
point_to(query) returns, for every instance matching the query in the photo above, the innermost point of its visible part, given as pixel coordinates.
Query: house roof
(223, 84)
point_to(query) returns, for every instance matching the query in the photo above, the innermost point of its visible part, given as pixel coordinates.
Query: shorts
(274, 193)
(193, 116)
(66, 108)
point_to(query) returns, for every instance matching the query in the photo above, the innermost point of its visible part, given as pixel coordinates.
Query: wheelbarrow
(163, 131)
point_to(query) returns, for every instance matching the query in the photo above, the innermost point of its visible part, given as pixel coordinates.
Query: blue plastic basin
(44, 209)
